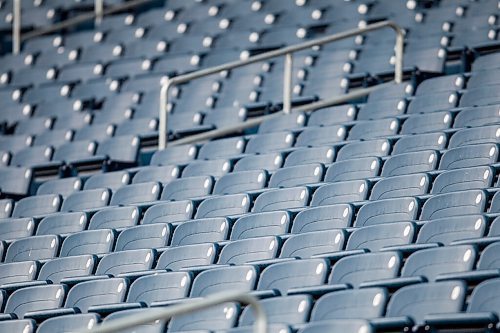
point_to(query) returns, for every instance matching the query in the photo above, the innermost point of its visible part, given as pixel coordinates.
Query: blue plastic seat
(454, 204)
(387, 211)
(323, 218)
(294, 274)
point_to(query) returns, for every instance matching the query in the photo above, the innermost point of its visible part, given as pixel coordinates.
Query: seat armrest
(336, 256)
(481, 243)
(107, 309)
(75, 280)
(392, 323)
(317, 291)
(261, 264)
(262, 294)
(7, 316)
(45, 314)
(465, 320)
(11, 287)
(472, 277)
(408, 249)
(393, 284)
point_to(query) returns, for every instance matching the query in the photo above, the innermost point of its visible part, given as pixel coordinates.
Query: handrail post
(16, 26)
(398, 69)
(287, 83)
(118, 325)
(163, 130)
(99, 11)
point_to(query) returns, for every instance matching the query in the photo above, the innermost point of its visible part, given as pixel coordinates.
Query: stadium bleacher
(378, 215)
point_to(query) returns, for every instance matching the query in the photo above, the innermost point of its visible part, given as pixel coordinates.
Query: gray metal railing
(97, 14)
(287, 77)
(154, 314)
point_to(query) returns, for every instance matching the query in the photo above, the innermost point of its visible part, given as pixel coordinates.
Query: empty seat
(15, 228)
(214, 168)
(321, 136)
(86, 200)
(261, 224)
(179, 257)
(283, 123)
(387, 211)
(364, 130)
(62, 224)
(400, 186)
(441, 84)
(269, 162)
(358, 269)
(33, 299)
(382, 108)
(207, 230)
(77, 322)
(469, 156)
(16, 181)
(351, 304)
(265, 143)
(279, 199)
(218, 149)
(351, 325)
(477, 116)
(474, 136)
(309, 244)
(449, 229)
(152, 289)
(297, 175)
(419, 142)
(21, 325)
(33, 248)
(324, 155)
(18, 272)
(112, 180)
(294, 274)
(289, 310)
(248, 250)
(85, 295)
(463, 179)
(419, 300)
(169, 212)
(136, 193)
(377, 147)
(154, 327)
(58, 269)
(88, 242)
(332, 115)
(430, 263)
(454, 204)
(375, 237)
(188, 188)
(408, 163)
(361, 168)
(63, 187)
(239, 278)
(144, 237)
(323, 218)
(6, 206)
(162, 174)
(226, 205)
(114, 218)
(433, 102)
(39, 205)
(123, 262)
(179, 155)
(240, 182)
(341, 192)
(220, 317)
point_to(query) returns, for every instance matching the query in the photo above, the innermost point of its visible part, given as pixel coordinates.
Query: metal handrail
(287, 52)
(98, 13)
(154, 314)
